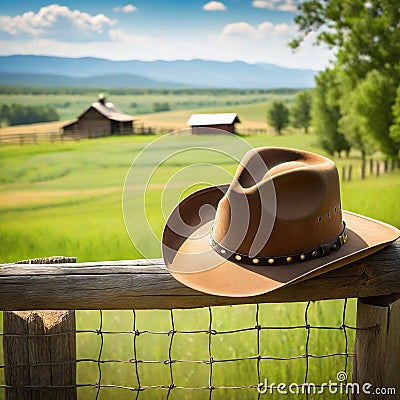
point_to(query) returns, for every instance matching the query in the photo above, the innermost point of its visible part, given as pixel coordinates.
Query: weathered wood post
(40, 351)
(344, 173)
(350, 172)
(386, 166)
(377, 351)
(363, 170)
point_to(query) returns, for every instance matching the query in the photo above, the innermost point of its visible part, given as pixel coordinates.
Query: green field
(138, 102)
(65, 199)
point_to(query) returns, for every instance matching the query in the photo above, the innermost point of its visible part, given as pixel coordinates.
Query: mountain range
(30, 70)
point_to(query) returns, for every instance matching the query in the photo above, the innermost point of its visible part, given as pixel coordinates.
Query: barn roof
(111, 112)
(213, 119)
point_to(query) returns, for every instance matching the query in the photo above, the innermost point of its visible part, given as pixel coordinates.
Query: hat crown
(280, 202)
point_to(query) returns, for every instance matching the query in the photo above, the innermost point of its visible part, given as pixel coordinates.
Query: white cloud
(288, 5)
(245, 30)
(263, 4)
(54, 18)
(124, 46)
(128, 8)
(214, 6)
(281, 5)
(239, 29)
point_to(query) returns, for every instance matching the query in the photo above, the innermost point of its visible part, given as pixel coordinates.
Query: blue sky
(246, 30)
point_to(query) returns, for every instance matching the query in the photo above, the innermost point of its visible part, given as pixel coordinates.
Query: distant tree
(278, 116)
(395, 128)
(325, 113)
(301, 110)
(18, 114)
(352, 126)
(375, 96)
(158, 107)
(365, 34)
(4, 113)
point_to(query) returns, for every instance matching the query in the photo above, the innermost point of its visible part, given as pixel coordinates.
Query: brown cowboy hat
(278, 222)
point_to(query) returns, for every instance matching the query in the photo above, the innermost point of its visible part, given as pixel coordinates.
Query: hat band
(320, 251)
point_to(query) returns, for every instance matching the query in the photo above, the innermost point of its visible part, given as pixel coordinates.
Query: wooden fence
(370, 168)
(146, 284)
(51, 137)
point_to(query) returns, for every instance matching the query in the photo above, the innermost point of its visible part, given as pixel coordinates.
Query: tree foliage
(301, 110)
(395, 128)
(374, 98)
(366, 38)
(17, 114)
(326, 114)
(278, 116)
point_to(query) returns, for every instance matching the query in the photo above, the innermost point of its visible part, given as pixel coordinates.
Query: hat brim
(191, 260)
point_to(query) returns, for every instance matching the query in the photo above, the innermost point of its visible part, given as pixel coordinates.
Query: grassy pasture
(70, 106)
(65, 198)
(251, 115)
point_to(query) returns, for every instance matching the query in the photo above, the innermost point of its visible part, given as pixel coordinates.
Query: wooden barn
(102, 118)
(225, 122)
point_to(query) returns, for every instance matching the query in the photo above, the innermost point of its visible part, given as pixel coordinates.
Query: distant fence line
(51, 137)
(368, 168)
(34, 138)
(348, 172)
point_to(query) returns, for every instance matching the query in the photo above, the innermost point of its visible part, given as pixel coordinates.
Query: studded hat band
(320, 251)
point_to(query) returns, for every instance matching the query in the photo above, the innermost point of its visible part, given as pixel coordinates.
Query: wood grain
(146, 284)
(377, 355)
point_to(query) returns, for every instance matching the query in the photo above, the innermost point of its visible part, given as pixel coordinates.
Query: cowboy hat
(278, 222)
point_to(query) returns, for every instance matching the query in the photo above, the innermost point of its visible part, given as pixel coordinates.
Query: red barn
(102, 118)
(225, 122)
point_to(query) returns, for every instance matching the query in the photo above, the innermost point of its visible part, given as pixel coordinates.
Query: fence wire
(245, 358)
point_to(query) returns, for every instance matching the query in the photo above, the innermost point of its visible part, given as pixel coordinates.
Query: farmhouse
(102, 118)
(225, 122)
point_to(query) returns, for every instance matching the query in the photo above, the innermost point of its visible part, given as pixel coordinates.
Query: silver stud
(223, 251)
(237, 257)
(314, 253)
(289, 259)
(303, 257)
(271, 261)
(255, 260)
(334, 246)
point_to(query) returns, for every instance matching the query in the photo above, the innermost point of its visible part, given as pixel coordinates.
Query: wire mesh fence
(237, 352)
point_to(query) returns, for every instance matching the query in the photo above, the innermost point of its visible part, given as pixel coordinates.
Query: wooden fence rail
(146, 284)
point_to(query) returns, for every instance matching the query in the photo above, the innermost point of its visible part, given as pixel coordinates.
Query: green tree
(301, 110)
(278, 116)
(158, 107)
(395, 128)
(366, 38)
(352, 126)
(374, 98)
(326, 114)
(19, 114)
(365, 34)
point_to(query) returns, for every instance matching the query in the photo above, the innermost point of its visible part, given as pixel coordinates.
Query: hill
(194, 73)
(96, 81)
